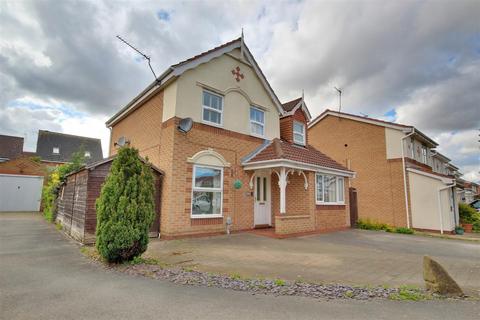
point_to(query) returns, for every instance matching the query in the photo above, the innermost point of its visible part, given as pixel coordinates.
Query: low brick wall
(330, 218)
(293, 224)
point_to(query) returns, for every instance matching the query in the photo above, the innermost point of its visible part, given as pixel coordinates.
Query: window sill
(330, 203)
(206, 216)
(257, 135)
(330, 206)
(213, 124)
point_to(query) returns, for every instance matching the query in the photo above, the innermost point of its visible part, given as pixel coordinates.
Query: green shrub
(367, 224)
(467, 213)
(280, 282)
(125, 208)
(54, 181)
(403, 230)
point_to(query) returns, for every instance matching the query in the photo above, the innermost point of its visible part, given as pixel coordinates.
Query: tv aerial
(140, 53)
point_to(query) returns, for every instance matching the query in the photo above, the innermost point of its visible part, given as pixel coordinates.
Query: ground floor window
(207, 191)
(329, 189)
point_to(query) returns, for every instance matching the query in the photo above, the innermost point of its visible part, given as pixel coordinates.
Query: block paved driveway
(44, 276)
(356, 257)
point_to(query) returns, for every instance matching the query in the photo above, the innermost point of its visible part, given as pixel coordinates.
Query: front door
(262, 207)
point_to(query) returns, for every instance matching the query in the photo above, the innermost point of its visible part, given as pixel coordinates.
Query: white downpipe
(439, 198)
(405, 176)
(282, 183)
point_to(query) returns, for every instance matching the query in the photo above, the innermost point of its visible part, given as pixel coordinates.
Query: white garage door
(20, 193)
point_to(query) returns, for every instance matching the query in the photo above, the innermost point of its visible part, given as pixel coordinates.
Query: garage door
(20, 193)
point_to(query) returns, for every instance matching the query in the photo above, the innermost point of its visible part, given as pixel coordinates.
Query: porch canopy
(284, 158)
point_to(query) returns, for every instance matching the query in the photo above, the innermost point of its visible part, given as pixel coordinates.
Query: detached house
(55, 148)
(240, 158)
(401, 180)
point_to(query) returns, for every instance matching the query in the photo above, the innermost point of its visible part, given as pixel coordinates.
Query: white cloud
(420, 58)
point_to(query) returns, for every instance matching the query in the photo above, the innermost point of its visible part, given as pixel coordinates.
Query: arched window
(207, 184)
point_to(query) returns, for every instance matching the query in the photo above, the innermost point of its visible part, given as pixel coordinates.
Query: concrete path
(43, 276)
(350, 257)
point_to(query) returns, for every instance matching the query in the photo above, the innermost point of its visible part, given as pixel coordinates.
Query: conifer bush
(125, 208)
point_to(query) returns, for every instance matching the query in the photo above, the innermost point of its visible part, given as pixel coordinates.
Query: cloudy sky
(414, 62)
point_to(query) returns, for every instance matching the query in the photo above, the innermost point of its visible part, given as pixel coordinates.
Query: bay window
(207, 192)
(329, 189)
(212, 108)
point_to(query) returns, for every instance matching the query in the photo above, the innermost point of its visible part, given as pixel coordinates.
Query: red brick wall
(379, 182)
(176, 192)
(24, 166)
(142, 128)
(286, 125)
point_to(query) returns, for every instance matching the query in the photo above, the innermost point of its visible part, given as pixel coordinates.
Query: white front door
(262, 206)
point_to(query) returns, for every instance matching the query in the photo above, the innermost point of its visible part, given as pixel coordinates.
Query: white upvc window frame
(88, 154)
(424, 154)
(56, 150)
(256, 122)
(303, 134)
(194, 188)
(337, 186)
(213, 109)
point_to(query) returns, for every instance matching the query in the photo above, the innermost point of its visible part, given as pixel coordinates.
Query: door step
(262, 226)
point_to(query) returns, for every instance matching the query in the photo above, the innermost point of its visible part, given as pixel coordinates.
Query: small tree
(125, 208)
(55, 179)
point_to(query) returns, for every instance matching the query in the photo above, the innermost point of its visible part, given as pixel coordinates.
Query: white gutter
(440, 203)
(405, 176)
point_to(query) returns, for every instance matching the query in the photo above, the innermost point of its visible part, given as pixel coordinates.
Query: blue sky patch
(391, 115)
(163, 15)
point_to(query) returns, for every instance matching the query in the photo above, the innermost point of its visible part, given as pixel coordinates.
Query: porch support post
(282, 184)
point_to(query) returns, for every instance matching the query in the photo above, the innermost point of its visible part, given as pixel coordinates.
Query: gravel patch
(260, 286)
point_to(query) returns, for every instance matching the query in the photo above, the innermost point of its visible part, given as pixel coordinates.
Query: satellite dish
(121, 141)
(185, 125)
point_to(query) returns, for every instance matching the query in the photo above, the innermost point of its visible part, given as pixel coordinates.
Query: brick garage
(76, 202)
(21, 181)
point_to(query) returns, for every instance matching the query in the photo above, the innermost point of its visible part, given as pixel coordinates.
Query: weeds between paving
(155, 269)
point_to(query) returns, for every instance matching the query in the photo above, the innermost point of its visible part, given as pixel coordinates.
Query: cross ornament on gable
(237, 75)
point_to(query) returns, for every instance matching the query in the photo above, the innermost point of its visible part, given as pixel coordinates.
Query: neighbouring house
(471, 191)
(401, 180)
(54, 148)
(21, 177)
(76, 209)
(476, 204)
(10, 147)
(231, 153)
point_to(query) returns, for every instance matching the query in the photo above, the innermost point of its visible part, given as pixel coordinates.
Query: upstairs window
(299, 133)
(329, 189)
(212, 108)
(257, 121)
(87, 154)
(56, 150)
(424, 154)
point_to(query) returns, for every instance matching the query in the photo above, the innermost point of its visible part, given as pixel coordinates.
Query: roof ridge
(362, 117)
(296, 99)
(205, 52)
(67, 134)
(7, 135)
